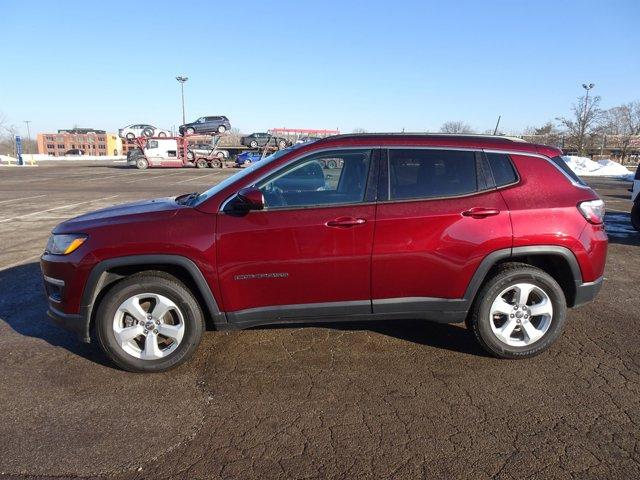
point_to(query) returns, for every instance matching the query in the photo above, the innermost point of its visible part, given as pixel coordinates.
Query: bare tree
(359, 130)
(455, 127)
(583, 122)
(547, 134)
(623, 122)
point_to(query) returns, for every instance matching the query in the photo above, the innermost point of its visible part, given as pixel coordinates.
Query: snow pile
(4, 159)
(585, 167)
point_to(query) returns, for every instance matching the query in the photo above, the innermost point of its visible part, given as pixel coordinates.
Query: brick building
(90, 141)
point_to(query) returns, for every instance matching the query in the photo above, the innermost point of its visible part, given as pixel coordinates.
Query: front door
(308, 253)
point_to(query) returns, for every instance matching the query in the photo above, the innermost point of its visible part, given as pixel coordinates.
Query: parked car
(635, 198)
(204, 125)
(261, 139)
(247, 158)
(74, 152)
(489, 231)
(207, 150)
(142, 130)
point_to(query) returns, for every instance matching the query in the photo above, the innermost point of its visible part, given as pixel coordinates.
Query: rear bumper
(587, 291)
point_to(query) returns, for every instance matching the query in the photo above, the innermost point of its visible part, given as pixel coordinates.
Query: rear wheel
(162, 134)
(635, 216)
(222, 129)
(220, 155)
(147, 132)
(282, 144)
(202, 163)
(253, 144)
(149, 322)
(130, 136)
(519, 312)
(190, 131)
(141, 163)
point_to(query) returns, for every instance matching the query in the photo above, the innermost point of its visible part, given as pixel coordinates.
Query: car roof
(495, 142)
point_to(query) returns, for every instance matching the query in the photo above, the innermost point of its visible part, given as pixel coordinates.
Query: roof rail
(433, 134)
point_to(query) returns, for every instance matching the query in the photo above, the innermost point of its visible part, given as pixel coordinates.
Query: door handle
(345, 222)
(479, 212)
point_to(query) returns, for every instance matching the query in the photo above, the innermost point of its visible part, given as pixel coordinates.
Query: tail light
(592, 211)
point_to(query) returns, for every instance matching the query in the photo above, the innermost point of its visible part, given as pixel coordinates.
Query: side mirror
(251, 198)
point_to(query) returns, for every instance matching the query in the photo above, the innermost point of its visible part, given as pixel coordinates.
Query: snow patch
(585, 167)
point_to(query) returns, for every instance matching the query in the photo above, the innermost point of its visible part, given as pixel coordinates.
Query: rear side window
(415, 173)
(502, 169)
(562, 165)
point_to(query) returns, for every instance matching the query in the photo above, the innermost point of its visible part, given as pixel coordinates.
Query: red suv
(491, 231)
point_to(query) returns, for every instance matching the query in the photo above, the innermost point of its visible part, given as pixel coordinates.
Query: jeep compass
(490, 231)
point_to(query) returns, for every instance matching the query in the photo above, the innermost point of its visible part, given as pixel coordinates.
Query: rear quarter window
(562, 165)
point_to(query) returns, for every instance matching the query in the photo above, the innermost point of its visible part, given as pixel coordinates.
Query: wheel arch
(557, 261)
(109, 271)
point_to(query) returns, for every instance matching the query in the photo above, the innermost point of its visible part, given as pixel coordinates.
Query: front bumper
(73, 322)
(587, 291)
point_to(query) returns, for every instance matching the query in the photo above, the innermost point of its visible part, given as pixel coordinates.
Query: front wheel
(149, 322)
(253, 144)
(190, 131)
(142, 163)
(519, 312)
(222, 129)
(202, 163)
(635, 216)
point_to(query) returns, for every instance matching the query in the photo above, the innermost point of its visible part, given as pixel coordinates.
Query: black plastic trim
(98, 279)
(587, 291)
(75, 323)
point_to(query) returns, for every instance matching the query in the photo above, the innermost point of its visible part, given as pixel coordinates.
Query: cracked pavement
(392, 399)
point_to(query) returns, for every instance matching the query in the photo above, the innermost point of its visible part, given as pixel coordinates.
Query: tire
(142, 163)
(190, 155)
(130, 136)
(162, 134)
(222, 129)
(220, 155)
(147, 132)
(190, 131)
(487, 325)
(184, 319)
(635, 216)
(332, 164)
(282, 145)
(253, 144)
(202, 163)
(215, 164)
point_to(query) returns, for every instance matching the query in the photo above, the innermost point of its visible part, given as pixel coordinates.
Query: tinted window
(431, 173)
(322, 179)
(560, 163)
(502, 169)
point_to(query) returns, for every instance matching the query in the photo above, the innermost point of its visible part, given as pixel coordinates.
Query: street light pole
(583, 130)
(182, 80)
(29, 138)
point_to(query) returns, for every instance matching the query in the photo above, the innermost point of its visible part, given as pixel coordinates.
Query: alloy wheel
(148, 326)
(521, 315)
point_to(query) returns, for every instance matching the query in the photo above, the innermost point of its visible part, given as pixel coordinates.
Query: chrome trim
(538, 155)
(54, 281)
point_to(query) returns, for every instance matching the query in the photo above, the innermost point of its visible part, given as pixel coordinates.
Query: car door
(442, 215)
(308, 253)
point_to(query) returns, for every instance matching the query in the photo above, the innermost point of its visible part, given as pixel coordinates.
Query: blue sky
(381, 66)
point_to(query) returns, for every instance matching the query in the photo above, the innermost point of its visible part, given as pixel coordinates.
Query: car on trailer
(137, 130)
(263, 139)
(206, 125)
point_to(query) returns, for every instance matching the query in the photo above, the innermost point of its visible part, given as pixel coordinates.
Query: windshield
(243, 173)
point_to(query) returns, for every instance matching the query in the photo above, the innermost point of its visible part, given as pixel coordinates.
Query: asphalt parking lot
(397, 399)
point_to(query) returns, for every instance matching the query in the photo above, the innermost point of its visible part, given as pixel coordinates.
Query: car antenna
(495, 130)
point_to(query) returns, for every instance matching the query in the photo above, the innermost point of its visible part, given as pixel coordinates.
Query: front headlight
(64, 244)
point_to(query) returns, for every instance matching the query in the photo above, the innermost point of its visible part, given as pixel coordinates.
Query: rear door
(308, 253)
(440, 216)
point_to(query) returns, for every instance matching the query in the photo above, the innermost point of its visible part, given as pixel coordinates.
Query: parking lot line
(157, 176)
(196, 178)
(23, 198)
(55, 208)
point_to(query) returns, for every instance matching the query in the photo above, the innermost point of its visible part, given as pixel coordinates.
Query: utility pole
(182, 81)
(29, 138)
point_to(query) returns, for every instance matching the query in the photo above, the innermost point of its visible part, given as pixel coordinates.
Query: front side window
(328, 178)
(424, 173)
